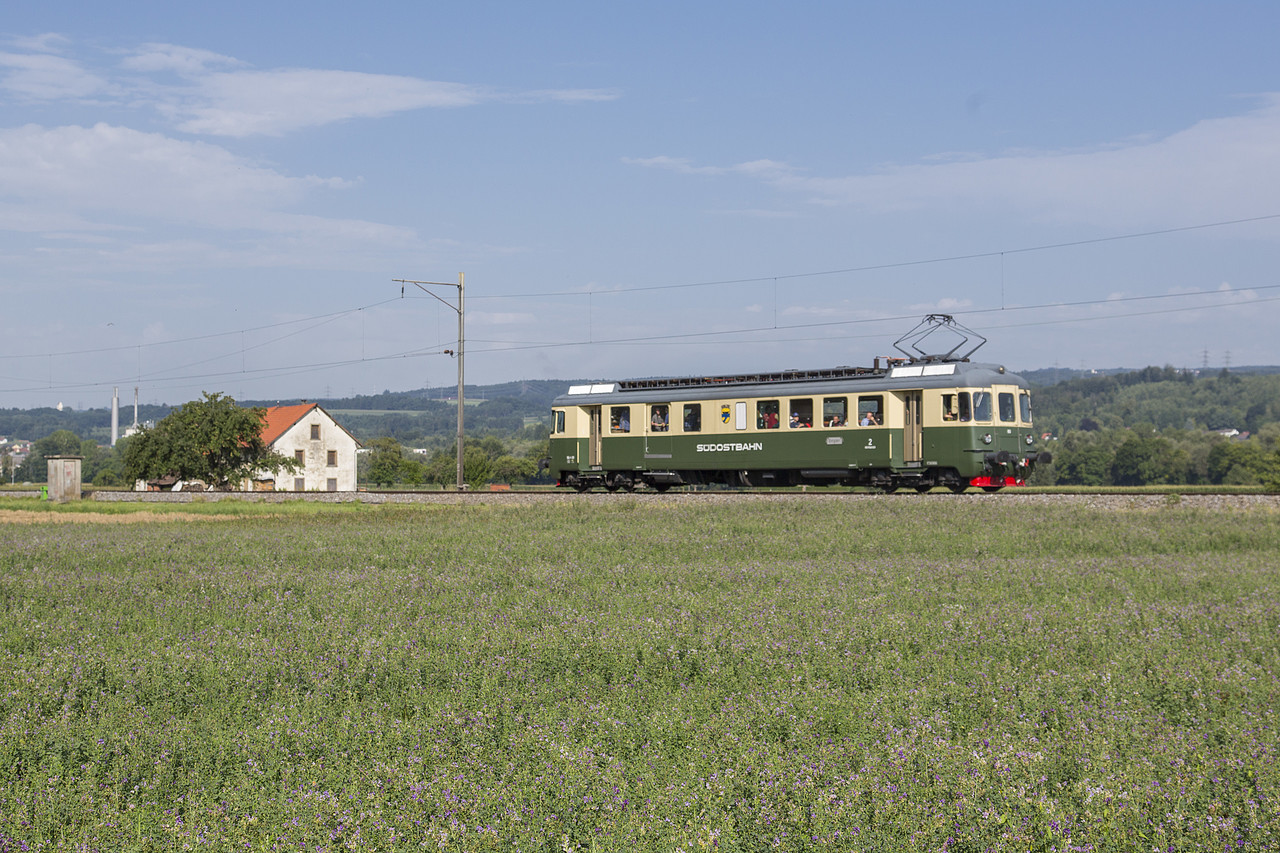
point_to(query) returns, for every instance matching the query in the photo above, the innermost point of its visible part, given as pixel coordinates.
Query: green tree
(1237, 463)
(211, 439)
(61, 442)
(1142, 460)
(386, 462)
(511, 469)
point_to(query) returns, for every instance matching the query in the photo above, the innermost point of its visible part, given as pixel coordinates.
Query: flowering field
(634, 674)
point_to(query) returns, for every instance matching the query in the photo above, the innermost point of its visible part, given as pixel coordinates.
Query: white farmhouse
(309, 434)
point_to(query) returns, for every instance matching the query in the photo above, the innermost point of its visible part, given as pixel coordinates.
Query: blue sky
(218, 197)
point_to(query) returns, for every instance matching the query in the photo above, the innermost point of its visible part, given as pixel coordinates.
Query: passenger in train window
(693, 418)
(620, 419)
(658, 420)
(834, 411)
(767, 414)
(948, 407)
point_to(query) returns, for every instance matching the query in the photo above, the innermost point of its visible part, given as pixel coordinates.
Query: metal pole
(461, 350)
(461, 309)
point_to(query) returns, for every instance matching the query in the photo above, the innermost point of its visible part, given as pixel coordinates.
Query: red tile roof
(277, 420)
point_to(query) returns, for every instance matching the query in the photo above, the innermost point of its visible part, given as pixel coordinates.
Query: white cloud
(248, 103)
(43, 76)
(1217, 168)
(108, 168)
(188, 61)
(220, 95)
(116, 198)
(570, 96)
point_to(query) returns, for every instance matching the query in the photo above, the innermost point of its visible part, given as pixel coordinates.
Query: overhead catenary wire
(169, 377)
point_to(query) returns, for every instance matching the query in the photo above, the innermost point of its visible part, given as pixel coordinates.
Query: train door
(657, 437)
(912, 437)
(593, 439)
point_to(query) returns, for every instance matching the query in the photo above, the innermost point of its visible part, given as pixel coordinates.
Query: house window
(299, 484)
(315, 432)
(331, 459)
(300, 455)
(331, 484)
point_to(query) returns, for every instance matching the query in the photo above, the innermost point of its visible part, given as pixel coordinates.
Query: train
(920, 421)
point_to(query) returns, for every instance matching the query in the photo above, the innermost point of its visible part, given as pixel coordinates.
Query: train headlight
(1030, 438)
(986, 439)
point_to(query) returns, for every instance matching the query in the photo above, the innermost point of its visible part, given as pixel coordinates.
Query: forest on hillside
(1161, 426)
(1157, 425)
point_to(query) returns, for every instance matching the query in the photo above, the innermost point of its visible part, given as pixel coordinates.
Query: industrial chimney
(115, 415)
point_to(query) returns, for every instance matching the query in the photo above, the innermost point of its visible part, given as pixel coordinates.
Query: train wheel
(611, 485)
(582, 487)
(924, 488)
(992, 488)
(889, 489)
(958, 488)
(661, 487)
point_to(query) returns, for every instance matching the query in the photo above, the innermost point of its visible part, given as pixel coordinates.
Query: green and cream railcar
(913, 425)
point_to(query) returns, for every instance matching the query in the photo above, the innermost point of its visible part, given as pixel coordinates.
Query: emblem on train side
(724, 414)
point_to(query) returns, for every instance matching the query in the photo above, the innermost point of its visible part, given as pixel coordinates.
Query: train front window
(693, 417)
(801, 414)
(767, 414)
(1024, 404)
(835, 411)
(982, 405)
(950, 411)
(1006, 407)
(966, 412)
(619, 419)
(557, 422)
(658, 418)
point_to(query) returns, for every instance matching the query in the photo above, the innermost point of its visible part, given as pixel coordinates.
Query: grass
(639, 675)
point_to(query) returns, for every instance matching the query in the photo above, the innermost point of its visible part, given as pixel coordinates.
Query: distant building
(309, 434)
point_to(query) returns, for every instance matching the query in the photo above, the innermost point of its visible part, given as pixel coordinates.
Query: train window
(1024, 403)
(982, 405)
(693, 417)
(1006, 406)
(658, 418)
(835, 411)
(557, 424)
(619, 419)
(801, 414)
(871, 411)
(966, 414)
(950, 411)
(767, 414)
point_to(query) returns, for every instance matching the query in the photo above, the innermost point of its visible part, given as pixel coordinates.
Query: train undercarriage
(884, 480)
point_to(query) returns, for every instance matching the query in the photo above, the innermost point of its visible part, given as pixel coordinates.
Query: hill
(1245, 398)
